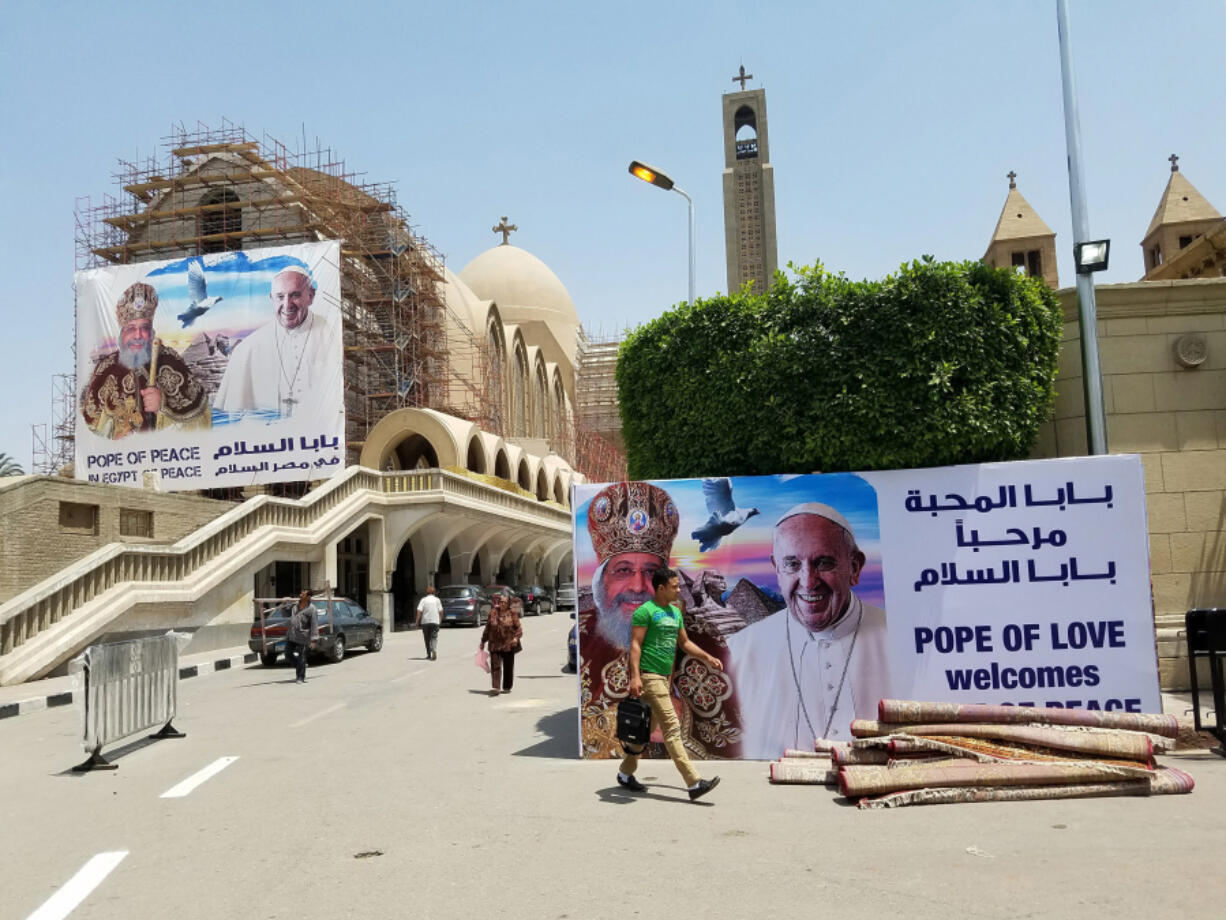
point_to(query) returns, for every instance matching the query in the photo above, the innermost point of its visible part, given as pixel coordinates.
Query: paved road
(475, 806)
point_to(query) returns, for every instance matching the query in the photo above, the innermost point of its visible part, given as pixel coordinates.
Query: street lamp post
(1083, 250)
(653, 176)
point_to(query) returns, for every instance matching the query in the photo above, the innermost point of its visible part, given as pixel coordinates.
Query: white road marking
(77, 888)
(317, 715)
(396, 680)
(183, 788)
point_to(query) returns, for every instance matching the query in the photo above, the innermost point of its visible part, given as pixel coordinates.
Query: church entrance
(353, 565)
(404, 588)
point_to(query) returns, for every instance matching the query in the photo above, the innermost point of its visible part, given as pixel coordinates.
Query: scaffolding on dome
(220, 189)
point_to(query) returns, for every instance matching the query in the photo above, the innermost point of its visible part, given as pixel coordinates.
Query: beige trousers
(655, 693)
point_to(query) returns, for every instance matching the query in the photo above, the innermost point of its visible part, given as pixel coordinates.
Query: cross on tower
(742, 77)
(505, 229)
(1012, 176)
(1174, 162)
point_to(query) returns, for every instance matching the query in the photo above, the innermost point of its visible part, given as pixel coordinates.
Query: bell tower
(749, 189)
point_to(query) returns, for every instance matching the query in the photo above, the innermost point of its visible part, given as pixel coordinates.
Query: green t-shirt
(660, 643)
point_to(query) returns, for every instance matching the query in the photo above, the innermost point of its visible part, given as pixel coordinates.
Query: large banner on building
(208, 371)
(1024, 584)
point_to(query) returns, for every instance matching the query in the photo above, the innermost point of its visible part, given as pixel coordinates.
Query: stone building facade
(51, 522)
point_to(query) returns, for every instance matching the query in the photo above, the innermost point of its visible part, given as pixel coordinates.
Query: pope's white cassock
(288, 371)
(787, 679)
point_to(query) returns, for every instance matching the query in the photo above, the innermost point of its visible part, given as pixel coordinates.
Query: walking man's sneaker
(702, 787)
(629, 782)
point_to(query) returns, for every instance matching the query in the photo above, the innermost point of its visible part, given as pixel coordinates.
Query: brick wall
(48, 524)
(1172, 415)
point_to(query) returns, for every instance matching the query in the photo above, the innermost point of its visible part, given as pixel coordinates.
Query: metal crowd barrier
(1206, 637)
(127, 687)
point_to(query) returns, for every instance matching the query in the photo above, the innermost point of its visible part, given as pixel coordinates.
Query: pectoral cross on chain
(289, 402)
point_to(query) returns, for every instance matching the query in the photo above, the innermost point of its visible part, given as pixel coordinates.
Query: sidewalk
(37, 695)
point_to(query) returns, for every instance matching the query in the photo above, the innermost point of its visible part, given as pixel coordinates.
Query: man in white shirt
(806, 671)
(429, 616)
(286, 362)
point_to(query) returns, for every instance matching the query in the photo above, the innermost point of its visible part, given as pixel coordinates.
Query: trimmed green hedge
(938, 364)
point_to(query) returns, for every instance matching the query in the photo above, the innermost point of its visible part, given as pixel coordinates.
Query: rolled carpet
(803, 772)
(857, 781)
(793, 754)
(1164, 781)
(990, 750)
(1123, 745)
(916, 711)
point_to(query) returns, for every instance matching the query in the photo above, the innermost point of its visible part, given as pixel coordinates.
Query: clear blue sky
(892, 125)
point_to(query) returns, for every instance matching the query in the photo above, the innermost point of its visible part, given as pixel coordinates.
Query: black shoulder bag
(633, 723)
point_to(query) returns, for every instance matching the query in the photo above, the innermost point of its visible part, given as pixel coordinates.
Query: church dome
(526, 292)
(464, 304)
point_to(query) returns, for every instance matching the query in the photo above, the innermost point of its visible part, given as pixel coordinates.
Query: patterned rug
(1114, 744)
(1164, 781)
(803, 772)
(985, 750)
(915, 711)
(868, 780)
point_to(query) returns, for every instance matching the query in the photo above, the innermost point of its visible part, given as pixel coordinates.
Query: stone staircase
(47, 624)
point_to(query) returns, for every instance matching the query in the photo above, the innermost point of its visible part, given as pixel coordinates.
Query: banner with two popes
(210, 371)
(1022, 583)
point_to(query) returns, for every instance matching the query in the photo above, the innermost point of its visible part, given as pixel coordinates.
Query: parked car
(572, 658)
(513, 599)
(465, 604)
(535, 598)
(342, 624)
(564, 598)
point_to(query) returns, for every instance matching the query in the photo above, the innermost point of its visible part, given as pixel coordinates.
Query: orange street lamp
(653, 176)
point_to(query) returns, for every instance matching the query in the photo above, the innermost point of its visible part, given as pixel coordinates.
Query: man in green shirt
(657, 629)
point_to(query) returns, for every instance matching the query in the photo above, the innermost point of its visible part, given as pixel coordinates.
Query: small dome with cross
(527, 293)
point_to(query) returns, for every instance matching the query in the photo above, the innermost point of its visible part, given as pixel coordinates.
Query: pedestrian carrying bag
(633, 722)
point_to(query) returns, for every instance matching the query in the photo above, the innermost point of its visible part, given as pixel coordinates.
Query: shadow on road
(616, 795)
(311, 675)
(562, 731)
(117, 754)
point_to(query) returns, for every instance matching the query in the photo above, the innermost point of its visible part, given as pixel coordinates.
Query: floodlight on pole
(654, 177)
(1092, 256)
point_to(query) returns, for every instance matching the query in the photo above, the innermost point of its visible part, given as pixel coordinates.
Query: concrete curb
(67, 698)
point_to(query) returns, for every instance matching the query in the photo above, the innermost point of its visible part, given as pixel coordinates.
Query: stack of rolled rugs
(920, 753)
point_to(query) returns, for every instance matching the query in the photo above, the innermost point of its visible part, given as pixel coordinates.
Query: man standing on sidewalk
(302, 634)
(429, 616)
(657, 630)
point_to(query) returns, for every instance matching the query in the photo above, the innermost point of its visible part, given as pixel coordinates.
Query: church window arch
(745, 127)
(519, 392)
(559, 408)
(220, 214)
(496, 347)
(540, 401)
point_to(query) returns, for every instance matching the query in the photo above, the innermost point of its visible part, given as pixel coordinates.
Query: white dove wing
(717, 492)
(197, 289)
